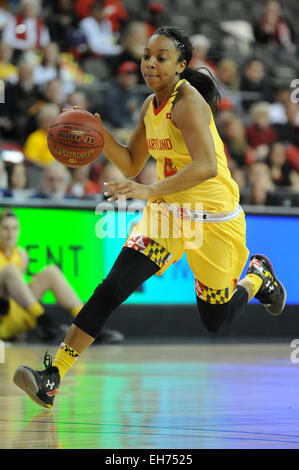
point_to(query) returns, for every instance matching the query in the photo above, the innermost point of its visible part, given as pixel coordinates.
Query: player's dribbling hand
(129, 189)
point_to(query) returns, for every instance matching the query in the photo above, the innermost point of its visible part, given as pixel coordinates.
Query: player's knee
(215, 318)
(111, 287)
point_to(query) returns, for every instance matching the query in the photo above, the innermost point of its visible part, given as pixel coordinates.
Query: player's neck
(163, 95)
(7, 250)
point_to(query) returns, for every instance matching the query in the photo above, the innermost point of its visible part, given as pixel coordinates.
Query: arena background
(61, 230)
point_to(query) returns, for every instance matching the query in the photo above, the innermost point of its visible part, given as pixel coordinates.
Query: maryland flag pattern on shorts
(212, 296)
(153, 250)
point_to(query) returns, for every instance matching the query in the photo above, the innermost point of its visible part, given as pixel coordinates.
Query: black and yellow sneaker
(272, 293)
(40, 386)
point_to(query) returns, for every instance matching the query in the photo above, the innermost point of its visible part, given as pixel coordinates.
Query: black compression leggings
(129, 271)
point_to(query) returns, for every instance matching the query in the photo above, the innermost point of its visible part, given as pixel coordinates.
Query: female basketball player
(176, 127)
(20, 309)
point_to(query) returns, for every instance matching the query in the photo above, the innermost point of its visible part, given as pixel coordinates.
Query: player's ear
(181, 67)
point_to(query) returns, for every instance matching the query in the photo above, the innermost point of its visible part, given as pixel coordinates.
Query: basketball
(75, 138)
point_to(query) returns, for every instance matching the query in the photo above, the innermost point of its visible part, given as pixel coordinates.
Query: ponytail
(204, 82)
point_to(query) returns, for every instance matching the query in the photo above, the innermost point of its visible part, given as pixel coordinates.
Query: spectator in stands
(201, 46)
(81, 185)
(78, 98)
(228, 80)
(113, 10)
(17, 181)
(48, 69)
(36, 148)
(281, 170)
(98, 32)
(121, 104)
(26, 30)
(133, 41)
(19, 101)
(278, 107)
(156, 18)
(63, 24)
(272, 29)
(288, 133)
(234, 137)
(260, 134)
(261, 184)
(55, 182)
(8, 70)
(109, 173)
(253, 81)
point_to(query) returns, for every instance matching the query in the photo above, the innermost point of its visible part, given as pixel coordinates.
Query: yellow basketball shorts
(216, 251)
(16, 321)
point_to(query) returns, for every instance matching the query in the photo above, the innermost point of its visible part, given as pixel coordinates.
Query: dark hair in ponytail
(204, 82)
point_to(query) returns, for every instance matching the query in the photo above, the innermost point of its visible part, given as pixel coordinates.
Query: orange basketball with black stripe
(75, 138)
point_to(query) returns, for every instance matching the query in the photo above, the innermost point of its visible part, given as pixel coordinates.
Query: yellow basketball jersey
(166, 144)
(15, 258)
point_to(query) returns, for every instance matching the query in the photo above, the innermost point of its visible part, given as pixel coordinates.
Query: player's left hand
(127, 188)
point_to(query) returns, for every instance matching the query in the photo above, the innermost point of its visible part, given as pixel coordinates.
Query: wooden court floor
(184, 396)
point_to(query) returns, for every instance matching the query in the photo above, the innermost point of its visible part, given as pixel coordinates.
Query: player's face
(160, 66)
(9, 232)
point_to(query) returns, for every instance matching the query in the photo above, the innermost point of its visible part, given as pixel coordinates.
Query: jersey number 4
(169, 170)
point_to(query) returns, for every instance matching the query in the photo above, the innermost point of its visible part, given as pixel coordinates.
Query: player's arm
(25, 259)
(129, 159)
(192, 116)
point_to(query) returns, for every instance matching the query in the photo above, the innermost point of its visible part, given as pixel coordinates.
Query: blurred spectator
(280, 169)
(81, 185)
(55, 182)
(261, 184)
(274, 30)
(63, 25)
(236, 143)
(260, 134)
(109, 173)
(8, 71)
(26, 30)
(19, 100)
(121, 104)
(48, 69)
(113, 10)
(148, 174)
(78, 98)
(134, 41)
(156, 17)
(278, 107)
(17, 181)
(288, 133)
(98, 32)
(253, 81)
(55, 93)
(201, 46)
(36, 148)
(228, 80)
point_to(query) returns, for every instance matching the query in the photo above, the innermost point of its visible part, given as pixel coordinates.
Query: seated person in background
(253, 81)
(239, 152)
(17, 181)
(26, 30)
(48, 69)
(20, 307)
(110, 172)
(281, 170)
(56, 180)
(201, 46)
(8, 71)
(134, 40)
(121, 104)
(261, 185)
(36, 147)
(273, 30)
(98, 32)
(260, 134)
(156, 17)
(19, 99)
(81, 185)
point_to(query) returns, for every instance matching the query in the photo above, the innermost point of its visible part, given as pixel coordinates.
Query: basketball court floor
(158, 396)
